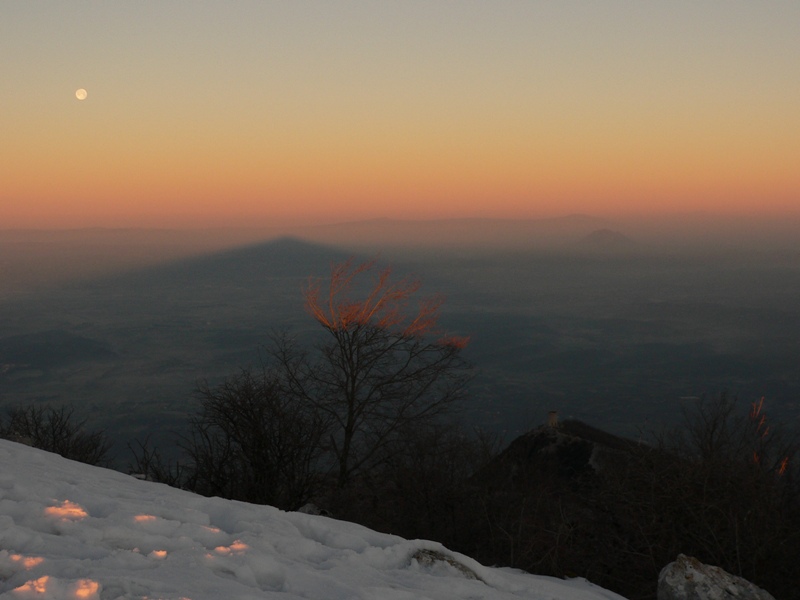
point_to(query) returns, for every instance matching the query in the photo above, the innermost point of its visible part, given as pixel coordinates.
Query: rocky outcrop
(563, 450)
(312, 509)
(431, 559)
(689, 579)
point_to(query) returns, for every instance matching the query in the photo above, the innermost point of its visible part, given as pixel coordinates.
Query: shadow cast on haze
(604, 326)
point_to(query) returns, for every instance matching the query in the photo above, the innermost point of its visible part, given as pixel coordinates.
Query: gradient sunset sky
(262, 113)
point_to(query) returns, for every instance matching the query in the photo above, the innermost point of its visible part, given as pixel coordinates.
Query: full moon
(81, 94)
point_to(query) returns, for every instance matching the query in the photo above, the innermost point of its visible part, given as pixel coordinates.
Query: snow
(69, 530)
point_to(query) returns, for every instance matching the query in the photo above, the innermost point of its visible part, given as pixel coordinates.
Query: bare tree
(56, 430)
(252, 441)
(149, 464)
(382, 367)
(721, 487)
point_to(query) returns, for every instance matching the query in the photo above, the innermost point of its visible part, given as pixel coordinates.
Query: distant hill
(565, 451)
(456, 233)
(606, 241)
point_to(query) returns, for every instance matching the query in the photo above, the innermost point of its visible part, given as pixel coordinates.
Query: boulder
(689, 579)
(433, 559)
(312, 509)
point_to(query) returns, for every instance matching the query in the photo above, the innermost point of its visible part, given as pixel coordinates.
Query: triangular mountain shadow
(143, 338)
(234, 293)
(50, 349)
(283, 257)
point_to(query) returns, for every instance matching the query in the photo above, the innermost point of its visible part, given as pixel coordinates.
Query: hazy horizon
(42, 255)
(601, 326)
(607, 193)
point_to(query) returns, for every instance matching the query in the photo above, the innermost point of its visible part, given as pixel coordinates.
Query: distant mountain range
(606, 241)
(456, 233)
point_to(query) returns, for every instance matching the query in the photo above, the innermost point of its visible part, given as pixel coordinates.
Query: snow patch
(72, 531)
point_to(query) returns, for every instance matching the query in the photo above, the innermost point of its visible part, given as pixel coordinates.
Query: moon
(81, 94)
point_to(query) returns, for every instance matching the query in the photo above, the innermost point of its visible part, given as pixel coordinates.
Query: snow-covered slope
(68, 530)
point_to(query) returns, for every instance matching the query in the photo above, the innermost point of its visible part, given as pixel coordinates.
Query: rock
(432, 559)
(313, 509)
(689, 579)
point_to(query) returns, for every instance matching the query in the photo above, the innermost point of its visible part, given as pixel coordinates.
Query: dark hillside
(566, 450)
(570, 499)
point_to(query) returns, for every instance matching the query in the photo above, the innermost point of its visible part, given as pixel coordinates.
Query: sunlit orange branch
(455, 341)
(385, 306)
(756, 408)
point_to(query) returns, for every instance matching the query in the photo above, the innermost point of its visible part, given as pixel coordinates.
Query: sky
(72, 531)
(265, 113)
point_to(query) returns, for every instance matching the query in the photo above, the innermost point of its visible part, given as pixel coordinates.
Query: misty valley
(616, 339)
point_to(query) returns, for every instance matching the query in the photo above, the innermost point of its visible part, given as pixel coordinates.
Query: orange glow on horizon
(526, 111)
(518, 172)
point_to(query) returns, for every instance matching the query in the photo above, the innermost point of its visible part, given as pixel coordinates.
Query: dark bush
(148, 464)
(252, 440)
(56, 430)
(721, 488)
